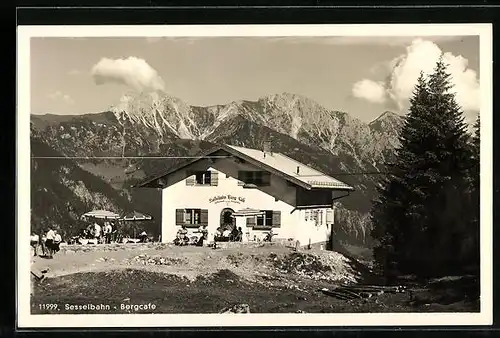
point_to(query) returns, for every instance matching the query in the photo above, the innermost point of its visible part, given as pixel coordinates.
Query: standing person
(97, 232)
(43, 242)
(114, 233)
(104, 230)
(34, 242)
(108, 230)
(57, 242)
(49, 242)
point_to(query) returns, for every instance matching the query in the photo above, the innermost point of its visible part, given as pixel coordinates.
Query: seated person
(202, 230)
(226, 233)
(218, 232)
(143, 237)
(181, 237)
(182, 231)
(234, 234)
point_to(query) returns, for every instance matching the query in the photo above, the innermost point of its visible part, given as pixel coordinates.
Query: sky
(363, 76)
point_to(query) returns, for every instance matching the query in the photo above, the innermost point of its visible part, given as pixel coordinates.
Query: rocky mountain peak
(387, 121)
(157, 111)
(288, 101)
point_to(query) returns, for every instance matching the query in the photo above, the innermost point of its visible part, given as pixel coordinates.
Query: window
(191, 217)
(203, 178)
(319, 220)
(266, 219)
(314, 216)
(261, 220)
(259, 178)
(329, 216)
(269, 219)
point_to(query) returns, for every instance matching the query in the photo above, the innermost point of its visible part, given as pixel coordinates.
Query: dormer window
(203, 178)
(257, 178)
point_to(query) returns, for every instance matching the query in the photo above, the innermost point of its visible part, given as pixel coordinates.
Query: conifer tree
(471, 250)
(390, 212)
(420, 218)
(449, 204)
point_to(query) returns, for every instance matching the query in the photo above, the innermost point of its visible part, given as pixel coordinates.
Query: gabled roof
(275, 163)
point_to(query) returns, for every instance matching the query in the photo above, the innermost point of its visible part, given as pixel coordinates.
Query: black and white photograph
(285, 175)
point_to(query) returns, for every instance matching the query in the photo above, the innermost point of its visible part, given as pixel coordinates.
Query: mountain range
(153, 124)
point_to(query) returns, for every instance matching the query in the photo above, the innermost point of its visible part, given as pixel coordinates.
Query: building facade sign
(226, 198)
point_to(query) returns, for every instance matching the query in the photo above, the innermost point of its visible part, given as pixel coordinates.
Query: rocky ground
(268, 278)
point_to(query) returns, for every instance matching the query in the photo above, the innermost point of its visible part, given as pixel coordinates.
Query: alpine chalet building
(257, 190)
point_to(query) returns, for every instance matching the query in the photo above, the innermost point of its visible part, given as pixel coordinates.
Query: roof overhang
(333, 187)
(153, 182)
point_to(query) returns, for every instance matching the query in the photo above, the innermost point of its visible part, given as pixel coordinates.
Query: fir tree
(470, 249)
(394, 206)
(420, 218)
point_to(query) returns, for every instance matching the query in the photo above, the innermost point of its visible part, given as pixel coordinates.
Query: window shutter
(251, 221)
(329, 216)
(204, 217)
(214, 178)
(179, 216)
(276, 219)
(191, 179)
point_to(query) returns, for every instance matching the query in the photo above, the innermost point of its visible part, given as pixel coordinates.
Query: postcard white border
(26, 320)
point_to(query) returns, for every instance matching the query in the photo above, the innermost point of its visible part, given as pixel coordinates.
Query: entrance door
(226, 220)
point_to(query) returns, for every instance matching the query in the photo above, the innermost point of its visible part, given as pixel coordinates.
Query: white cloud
(58, 95)
(369, 90)
(404, 70)
(132, 72)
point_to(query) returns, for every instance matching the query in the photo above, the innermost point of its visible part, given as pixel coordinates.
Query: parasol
(101, 214)
(136, 216)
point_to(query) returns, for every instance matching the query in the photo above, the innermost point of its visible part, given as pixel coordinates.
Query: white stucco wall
(278, 196)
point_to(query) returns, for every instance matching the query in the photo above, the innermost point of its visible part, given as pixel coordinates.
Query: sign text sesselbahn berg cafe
(257, 190)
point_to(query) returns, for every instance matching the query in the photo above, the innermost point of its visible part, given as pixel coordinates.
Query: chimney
(266, 148)
(298, 170)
